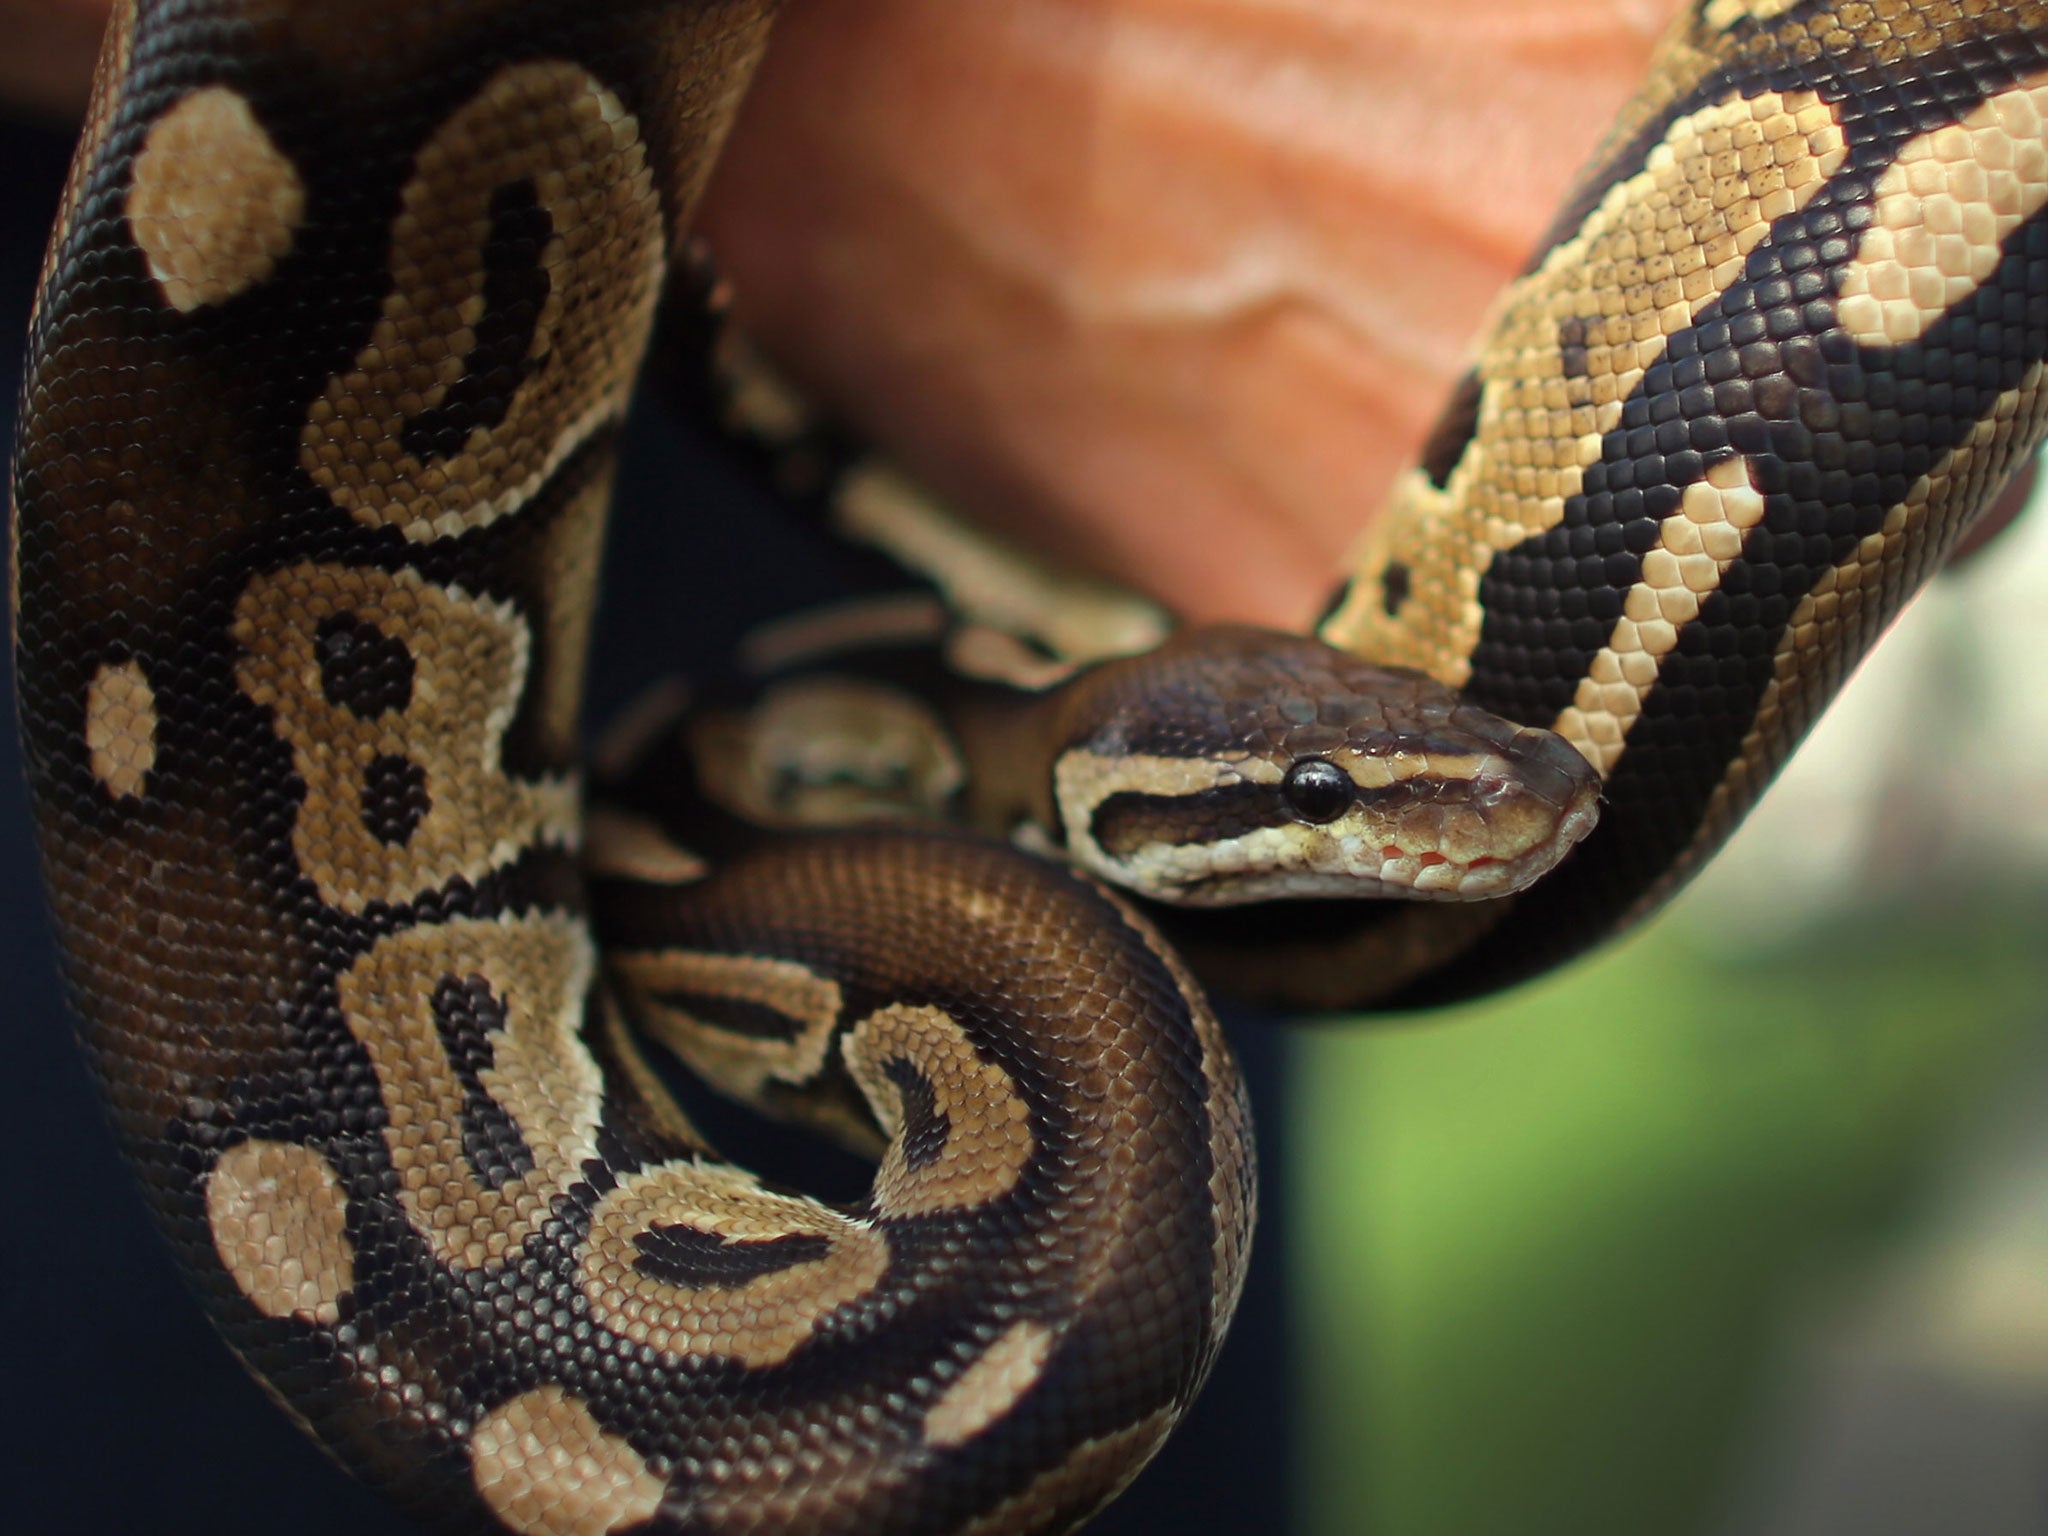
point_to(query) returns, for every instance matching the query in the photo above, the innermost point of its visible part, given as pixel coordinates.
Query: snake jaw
(1519, 840)
(1490, 844)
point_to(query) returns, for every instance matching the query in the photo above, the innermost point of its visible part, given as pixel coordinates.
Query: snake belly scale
(342, 314)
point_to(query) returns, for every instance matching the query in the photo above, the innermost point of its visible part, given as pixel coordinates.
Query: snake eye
(1318, 790)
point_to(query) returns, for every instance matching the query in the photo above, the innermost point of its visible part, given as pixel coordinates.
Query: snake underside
(337, 330)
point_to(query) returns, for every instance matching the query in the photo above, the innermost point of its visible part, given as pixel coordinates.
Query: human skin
(46, 53)
(1170, 287)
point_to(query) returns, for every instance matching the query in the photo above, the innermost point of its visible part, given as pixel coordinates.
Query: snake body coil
(336, 333)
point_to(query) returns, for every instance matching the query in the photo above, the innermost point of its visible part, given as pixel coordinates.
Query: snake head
(1235, 765)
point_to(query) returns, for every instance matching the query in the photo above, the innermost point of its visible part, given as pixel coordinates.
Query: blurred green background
(1742, 1226)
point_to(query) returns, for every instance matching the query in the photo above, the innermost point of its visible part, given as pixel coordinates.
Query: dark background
(122, 1410)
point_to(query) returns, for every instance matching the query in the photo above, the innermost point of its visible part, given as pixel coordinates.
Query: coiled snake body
(336, 332)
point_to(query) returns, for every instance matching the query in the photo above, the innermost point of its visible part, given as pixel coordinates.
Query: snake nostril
(1316, 789)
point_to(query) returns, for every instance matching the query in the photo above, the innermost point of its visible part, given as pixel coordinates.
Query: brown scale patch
(1850, 604)
(107, 81)
(120, 728)
(1233, 1174)
(619, 845)
(698, 1259)
(1359, 969)
(529, 977)
(279, 1222)
(1091, 1475)
(573, 547)
(340, 37)
(1656, 250)
(863, 623)
(213, 204)
(1693, 552)
(990, 1387)
(959, 1131)
(533, 358)
(545, 1467)
(170, 1042)
(823, 751)
(704, 57)
(680, 996)
(448, 808)
(1942, 208)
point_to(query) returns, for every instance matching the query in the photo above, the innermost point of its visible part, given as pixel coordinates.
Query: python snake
(337, 328)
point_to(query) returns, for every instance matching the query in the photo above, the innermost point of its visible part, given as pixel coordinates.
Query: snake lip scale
(337, 329)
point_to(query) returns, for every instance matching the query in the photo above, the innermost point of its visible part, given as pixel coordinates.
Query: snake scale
(337, 328)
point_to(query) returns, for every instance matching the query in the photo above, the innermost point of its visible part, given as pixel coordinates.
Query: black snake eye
(1317, 790)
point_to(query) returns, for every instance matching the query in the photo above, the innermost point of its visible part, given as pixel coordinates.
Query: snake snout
(1525, 799)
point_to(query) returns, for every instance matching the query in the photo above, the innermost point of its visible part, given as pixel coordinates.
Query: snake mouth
(1535, 841)
(1485, 842)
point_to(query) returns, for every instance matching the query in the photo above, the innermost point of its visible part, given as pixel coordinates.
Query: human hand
(1169, 287)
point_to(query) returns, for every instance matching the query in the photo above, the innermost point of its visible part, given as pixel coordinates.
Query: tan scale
(552, 123)
(740, 1064)
(120, 728)
(1661, 246)
(991, 1386)
(279, 1221)
(1077, 618)
(759, 1323)
(988, 1141)
(470, 658)
(622, 846)
(1943, 208)
(824, 751)
(546, 1467)
(997, 656)
(637, 726)
(1693, 552)
(213, 204)
(539, 969)
(891, 618)
(759, 401)
(1724, 14)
